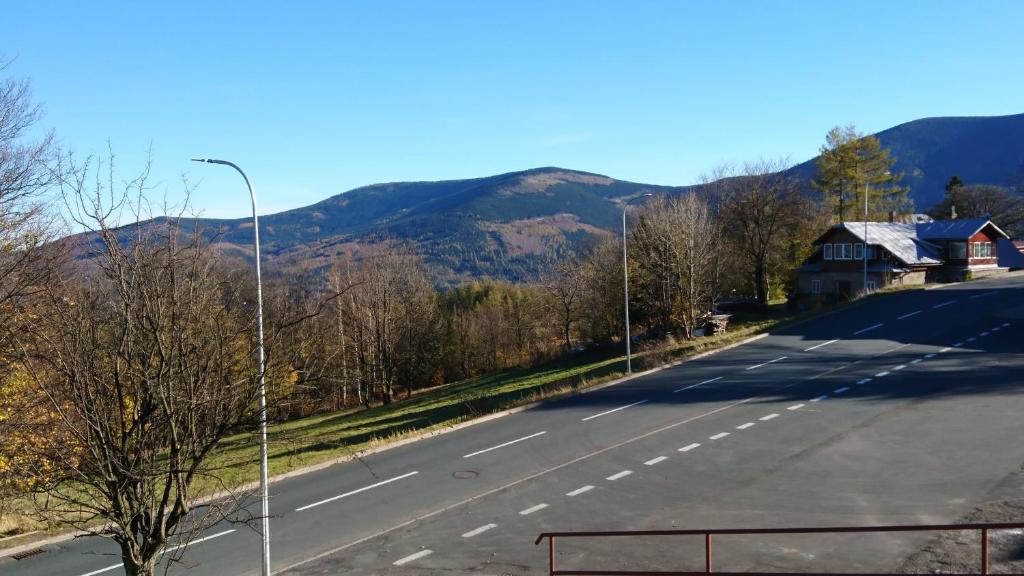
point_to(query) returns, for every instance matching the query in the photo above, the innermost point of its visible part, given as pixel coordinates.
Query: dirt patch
(960, 552)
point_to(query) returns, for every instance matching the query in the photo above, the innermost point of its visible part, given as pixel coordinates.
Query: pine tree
(849, 161)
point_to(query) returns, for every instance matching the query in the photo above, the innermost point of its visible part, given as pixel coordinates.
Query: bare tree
(146, 352)
(565, 282)
(676, 244)
(759, 207)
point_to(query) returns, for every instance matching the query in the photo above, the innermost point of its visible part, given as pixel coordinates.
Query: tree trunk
(761, 282)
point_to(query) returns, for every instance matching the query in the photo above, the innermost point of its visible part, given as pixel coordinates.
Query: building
(899, 254)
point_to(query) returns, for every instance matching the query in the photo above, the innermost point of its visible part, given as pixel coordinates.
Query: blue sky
(316, 98)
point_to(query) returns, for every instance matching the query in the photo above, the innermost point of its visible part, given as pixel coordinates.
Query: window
(828, 251)
(981, 249)
(844, 251)
(816, 286)
(858, 251)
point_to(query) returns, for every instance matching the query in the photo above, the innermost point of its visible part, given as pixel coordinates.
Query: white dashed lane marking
(931, 355)
(745, 426)
(532, 509)
(882, 374)
(689, 447)
(908, 315)
(479, 530)
(767, 363)
(413, 557)
(356, 491)
(840, 390)
(816, 346)
(718, 436)
(972, 339)
(944, 350)
(819, 398)
(580, 490)
(983, 334)
(709, 381)
(916, 360)
(654, 461)
(613, 410)
(868, 329)
(863, 380)
(509, 443)
(795, 407)
(898, 368)
(946, 303)
(768, 417)
(980, 295)
(622, 474)
(1005, 324)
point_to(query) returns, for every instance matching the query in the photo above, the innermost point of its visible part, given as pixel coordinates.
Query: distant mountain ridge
(501, 226)
(930, 151)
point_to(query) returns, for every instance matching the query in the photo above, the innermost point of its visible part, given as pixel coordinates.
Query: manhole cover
(465, 474)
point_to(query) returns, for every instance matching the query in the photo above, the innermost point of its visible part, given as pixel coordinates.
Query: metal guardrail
(983, 530)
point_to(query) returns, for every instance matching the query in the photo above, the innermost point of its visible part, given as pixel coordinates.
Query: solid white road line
(944, 350)
(795, 407)
(171, 549)
(768, 417)
(356, 491)
(946, 303)
(479, 530)
(767, 363)
(908, 315)
(532, 509)
(579, 491)
(840, 390)
(916, 360)
(882, 374)
(820, 345)
(869, 328)
(898, 368)
(509, 443)
(697, 384)
(819, 398)
(412, 557)
(618, 475)
(654, 461)
(607, 412)
(981, 295)
(689, 447)
(718, 436)
(745, 426)
(863, 380)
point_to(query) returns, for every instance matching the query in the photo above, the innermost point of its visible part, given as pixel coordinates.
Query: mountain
(502, 226)
(978, 149)
(498, 226)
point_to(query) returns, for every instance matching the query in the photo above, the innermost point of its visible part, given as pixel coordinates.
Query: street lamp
(625, 280)
(264, 488)
(864, 252)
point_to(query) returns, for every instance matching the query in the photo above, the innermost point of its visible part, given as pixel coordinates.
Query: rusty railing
(983, 530)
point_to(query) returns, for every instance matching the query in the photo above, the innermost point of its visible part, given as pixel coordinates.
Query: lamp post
(864, 252)
(264, 488)
(625, 281)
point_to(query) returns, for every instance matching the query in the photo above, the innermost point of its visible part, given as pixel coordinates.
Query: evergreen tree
(848, 163)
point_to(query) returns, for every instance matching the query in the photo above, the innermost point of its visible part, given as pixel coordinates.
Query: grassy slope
(329, 437)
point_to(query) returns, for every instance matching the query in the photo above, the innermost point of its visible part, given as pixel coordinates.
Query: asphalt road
(903, 409)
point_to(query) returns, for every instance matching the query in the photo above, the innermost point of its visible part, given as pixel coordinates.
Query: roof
(954, 229)
(1009, 255)
(901, 240)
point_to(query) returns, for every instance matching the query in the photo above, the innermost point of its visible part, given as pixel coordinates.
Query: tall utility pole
(864, 252)
(264, 482)
(625, 281)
